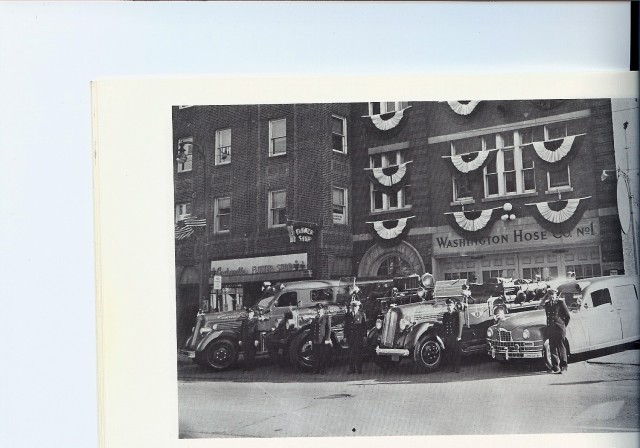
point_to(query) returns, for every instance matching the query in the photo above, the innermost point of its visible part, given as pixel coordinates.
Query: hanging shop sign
(510, 236)
(301, 232)
(261, 268)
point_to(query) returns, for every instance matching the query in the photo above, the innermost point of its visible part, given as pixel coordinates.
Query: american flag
(184, 228)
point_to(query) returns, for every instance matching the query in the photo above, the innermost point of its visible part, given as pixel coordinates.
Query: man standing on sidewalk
(355, 327)
(453, 323)
(320, 339)
(557, 320)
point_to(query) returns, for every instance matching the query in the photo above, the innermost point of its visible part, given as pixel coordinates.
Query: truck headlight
(379, 324)
(489, 332)
(208, 329)
(403, 324)
(526, 334)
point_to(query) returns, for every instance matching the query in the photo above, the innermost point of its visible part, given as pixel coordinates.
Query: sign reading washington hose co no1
(510, 237)
(277, 267)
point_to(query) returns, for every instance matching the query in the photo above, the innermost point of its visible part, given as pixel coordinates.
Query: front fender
(214, 335)
(417, 331)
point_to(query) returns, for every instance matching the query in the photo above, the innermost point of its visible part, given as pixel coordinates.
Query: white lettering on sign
(260, 265)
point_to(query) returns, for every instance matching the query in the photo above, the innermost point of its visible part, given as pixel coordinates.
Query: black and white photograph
(406, 268)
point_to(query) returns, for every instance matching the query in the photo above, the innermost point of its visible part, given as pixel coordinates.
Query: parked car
(215, 341)
(604, 313)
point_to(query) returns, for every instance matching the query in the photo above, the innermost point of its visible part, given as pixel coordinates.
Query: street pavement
(599, 394)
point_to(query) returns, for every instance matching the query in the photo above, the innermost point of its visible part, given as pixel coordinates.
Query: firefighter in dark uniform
(557, 320)
(248, 333)
(355, 329)
(452, 323)
(320, 339)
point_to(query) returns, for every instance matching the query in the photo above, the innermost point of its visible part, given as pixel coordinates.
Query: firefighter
(452, 322)
(320, 339)
(356, 333)
(248, 332)
(557, 320)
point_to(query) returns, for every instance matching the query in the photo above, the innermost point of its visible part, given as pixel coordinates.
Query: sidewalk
(628, 357)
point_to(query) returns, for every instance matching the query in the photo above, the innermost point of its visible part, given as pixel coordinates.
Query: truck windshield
(264, 303)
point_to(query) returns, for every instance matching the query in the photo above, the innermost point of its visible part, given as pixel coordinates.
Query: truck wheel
(220, 354)
(427, 354)
(300, 352)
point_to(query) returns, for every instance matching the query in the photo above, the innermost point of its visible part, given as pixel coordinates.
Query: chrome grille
(504, 335)
(389, 328)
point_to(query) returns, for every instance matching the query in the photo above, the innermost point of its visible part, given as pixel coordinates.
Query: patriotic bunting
(390, 229)
(387, 121)
(390, 179)
(463, 108)
(467, 163)
(555, 154)
(472, 224)
(560, 216)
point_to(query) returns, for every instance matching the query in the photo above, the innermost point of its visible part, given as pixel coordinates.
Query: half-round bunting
(473, 224)
(463, 107)
(391, 229)
(385, 122)
(389, 179)
(466, 163)
(555, 154)
(559, 217)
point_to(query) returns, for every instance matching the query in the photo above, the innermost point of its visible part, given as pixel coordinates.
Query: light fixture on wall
(508, 216)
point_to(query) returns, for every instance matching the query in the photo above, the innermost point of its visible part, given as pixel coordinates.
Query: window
(223, 146)
(277, 208)
(562, 178)
(222, 215)
(504, 273)
(382, 201)
(584, 270)
(601, 297)
(462, 188)
(320, 295)
(188, 152)
(339, 134)
(339, 205)
(470, 275)
(183, 211)
(394, 266)
(289, 298)
(385, 107)
(277, 137)
(512, 170)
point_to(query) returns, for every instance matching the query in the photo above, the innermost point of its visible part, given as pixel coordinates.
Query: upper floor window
(339, 133)
(512, 169)
(277, 208)
(222, 215)
(183, 211)
(187, 165)
(339, 205)
(277, 137)
(560, 179)
(223, 146)
(382, 201)
(385, 107)
(462, 188)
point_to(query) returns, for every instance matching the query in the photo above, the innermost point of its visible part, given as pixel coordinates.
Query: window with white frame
(339, 205)
(277, 137)
(381, 201)
(187, 165)
(560, 179)
(462, 182)
(222, 214)
(277, 208)
(339, 133)
(462, 188)
(183, 211)
(385, 107)
(512, 169)
(223, 146)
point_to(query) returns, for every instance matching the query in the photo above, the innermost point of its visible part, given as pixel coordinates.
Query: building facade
(460, 189)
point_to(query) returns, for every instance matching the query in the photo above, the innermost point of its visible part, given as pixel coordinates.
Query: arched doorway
(400, 260)
(187, 303)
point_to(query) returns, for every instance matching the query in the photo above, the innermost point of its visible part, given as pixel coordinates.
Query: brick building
(460, 189)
